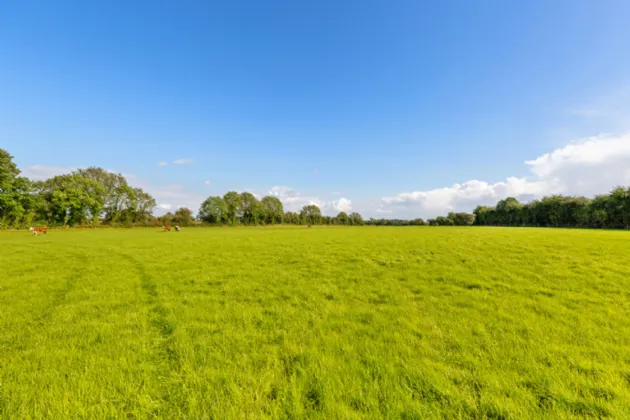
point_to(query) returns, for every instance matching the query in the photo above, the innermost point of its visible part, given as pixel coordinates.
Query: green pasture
(328, 323)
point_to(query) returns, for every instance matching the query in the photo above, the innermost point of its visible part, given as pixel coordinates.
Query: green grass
(315, 323)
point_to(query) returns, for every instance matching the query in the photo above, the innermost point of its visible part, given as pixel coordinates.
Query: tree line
(245, 209)
(96, 197)
(84, 196)
(611, 211)
(452, 219)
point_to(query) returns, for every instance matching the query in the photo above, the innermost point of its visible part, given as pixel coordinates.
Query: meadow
(330, 323)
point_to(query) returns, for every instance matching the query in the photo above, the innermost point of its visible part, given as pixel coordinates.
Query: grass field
(315, 323)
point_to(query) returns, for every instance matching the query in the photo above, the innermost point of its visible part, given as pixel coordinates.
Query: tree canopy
(84, 197)
(94, 196)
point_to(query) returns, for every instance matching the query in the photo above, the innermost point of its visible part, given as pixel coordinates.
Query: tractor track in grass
(167, 356)
(44, 317)
(60, 295)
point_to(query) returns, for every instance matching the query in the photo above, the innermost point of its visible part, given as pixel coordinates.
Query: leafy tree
(14, 191)
(8, 171)
(251, 208)
(144, 205)
(234, 204)
(292, 218)
(598, 216)
(311, 214)
(444, 221)
(578, 211)
(272, 209)
(72, 198)
(356, 219)
(183, 217)
(166, 219)
(213, 210)
(117, 194)
(509, 211)
(618, 208)
(462, 219)
(342, 219)
(481, 214)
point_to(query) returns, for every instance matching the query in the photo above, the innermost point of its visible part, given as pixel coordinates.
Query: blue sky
(396, 106)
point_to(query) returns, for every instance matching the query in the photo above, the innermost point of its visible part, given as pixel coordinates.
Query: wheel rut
(166, 354)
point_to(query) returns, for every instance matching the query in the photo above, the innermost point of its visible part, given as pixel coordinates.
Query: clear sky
(393, 108)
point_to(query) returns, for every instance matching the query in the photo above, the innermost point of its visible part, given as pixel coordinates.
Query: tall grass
(315, 323)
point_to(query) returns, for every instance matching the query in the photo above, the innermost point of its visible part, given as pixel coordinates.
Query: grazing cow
(167, 228)
(177, 228)
(37, 230)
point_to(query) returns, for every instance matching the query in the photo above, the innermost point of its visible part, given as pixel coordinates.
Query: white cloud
(183, 161)
(291, 199)
(162, 164)
(294, 201)
(589, 152)
(587, 167)
(208, 182)
(164, 206)
(343, 204)
(42, 172)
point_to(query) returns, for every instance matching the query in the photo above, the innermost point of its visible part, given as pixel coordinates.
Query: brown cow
(37, 230)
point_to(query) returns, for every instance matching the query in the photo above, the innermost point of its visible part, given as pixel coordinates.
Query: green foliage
(311, 214)
(234, 204)
(8, 171)
(91, 196)
(72, 199)
(395, 222)
(16, 201)
(323, 323)
(81, 198)
(213, 210)
(272, 209)
(444, 221)
(356, 219)
(604, 211)
(462, 219)
(342, 219)
(120, 202)
(183, 217)
(292, 218)
(252, 209)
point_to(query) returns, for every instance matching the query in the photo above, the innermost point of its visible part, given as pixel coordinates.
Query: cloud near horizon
(294, 201)
(590, 166)
(587, 167)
